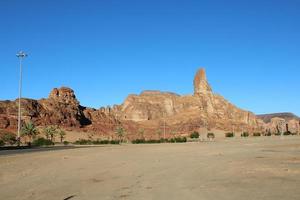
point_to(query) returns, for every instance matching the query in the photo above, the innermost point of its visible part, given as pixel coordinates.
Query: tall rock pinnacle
(201, 85)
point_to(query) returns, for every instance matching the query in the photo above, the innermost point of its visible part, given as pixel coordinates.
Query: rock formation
(201, 85)
(188, 113)
(61, 108)
(152, 111)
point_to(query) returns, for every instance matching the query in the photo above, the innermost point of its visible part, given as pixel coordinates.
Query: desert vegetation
(194, 135)
(229, 134)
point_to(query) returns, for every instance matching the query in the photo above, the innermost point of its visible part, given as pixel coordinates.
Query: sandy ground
(252, 168)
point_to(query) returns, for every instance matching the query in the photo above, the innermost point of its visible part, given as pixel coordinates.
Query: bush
(138, 141)
(8, 138)
(194, 135)
(152, 141)
(83, 142)
(245, 134)
(268, 134)
(96, 142)
(210, 135)
(42, 142)
(115, 141)
(277, 134)
(66, 142)
(287, 133)
(256, 134)
(180, 139)
(229, 134)
(2, 143)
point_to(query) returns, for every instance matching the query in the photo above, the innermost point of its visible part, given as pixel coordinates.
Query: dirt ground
(251, 168)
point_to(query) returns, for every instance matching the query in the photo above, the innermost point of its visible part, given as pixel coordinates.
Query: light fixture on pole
(20, 55)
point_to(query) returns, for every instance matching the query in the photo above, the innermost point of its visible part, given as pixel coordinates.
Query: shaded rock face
(61, 108)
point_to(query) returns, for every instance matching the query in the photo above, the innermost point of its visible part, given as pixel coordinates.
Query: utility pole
(21, 55)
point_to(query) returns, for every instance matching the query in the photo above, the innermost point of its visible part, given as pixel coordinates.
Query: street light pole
(164, 115)
(20, 55)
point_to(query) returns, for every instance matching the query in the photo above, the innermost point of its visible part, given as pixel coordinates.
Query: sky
(106, 49)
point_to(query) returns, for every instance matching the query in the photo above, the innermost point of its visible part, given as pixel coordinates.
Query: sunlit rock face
(190, 112)
(63, 95)
(201, 86)
(151, 110)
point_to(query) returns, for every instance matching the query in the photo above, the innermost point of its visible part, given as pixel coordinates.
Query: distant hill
(287, 116)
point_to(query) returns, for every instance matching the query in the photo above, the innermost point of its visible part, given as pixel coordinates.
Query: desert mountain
(152, 111)
(287, 116)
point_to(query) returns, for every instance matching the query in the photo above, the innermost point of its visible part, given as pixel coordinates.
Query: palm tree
(120, 133)
(141, 133)
(30, 131)
(62, 135)
(50, 132)
(159, 132)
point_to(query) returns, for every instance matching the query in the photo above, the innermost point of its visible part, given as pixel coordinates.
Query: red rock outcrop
(151, 111)
(186, 113)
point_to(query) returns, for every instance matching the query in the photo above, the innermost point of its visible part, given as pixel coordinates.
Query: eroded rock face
(185, 113)
(151, 110)
(201, 86)
(281, 125)
(63, 95)
(61, 108)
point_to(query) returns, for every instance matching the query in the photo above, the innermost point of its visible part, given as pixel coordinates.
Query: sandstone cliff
(152, 111)
(187, 113)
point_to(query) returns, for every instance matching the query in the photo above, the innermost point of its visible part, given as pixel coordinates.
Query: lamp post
(164, 115)
(21, 55)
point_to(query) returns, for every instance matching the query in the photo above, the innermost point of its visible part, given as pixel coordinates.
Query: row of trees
(30, 131)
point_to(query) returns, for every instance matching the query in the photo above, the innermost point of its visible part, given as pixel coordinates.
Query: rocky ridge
(152, 111)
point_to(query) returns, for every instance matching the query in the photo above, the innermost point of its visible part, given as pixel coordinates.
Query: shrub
(268, 134)
(138, 141)
(96, 142)
(180, 139)
(152, 141)
(210, 135)
(83, 142)
(194, 135)
(162, 140)
(256, 134)
(8, 137)
(42, 142)
(287, 133)
(229, 134)
(2, 143)
(277, 134)
(245, 134)
(114, 141)
(66, 142)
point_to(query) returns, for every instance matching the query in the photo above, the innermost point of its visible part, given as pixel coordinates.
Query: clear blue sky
(107, 49)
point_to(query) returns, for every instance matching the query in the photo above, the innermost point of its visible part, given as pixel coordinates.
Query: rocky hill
(151, 111)
(287, 116)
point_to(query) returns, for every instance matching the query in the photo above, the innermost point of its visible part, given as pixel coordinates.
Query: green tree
(29, 130)
(141, 133)
(50, 132)
(159, 132)
(120, 133)
(62, 135)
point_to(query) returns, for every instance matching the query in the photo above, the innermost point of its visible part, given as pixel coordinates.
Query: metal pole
(20, 55)
(164, 126)
(20, 95)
